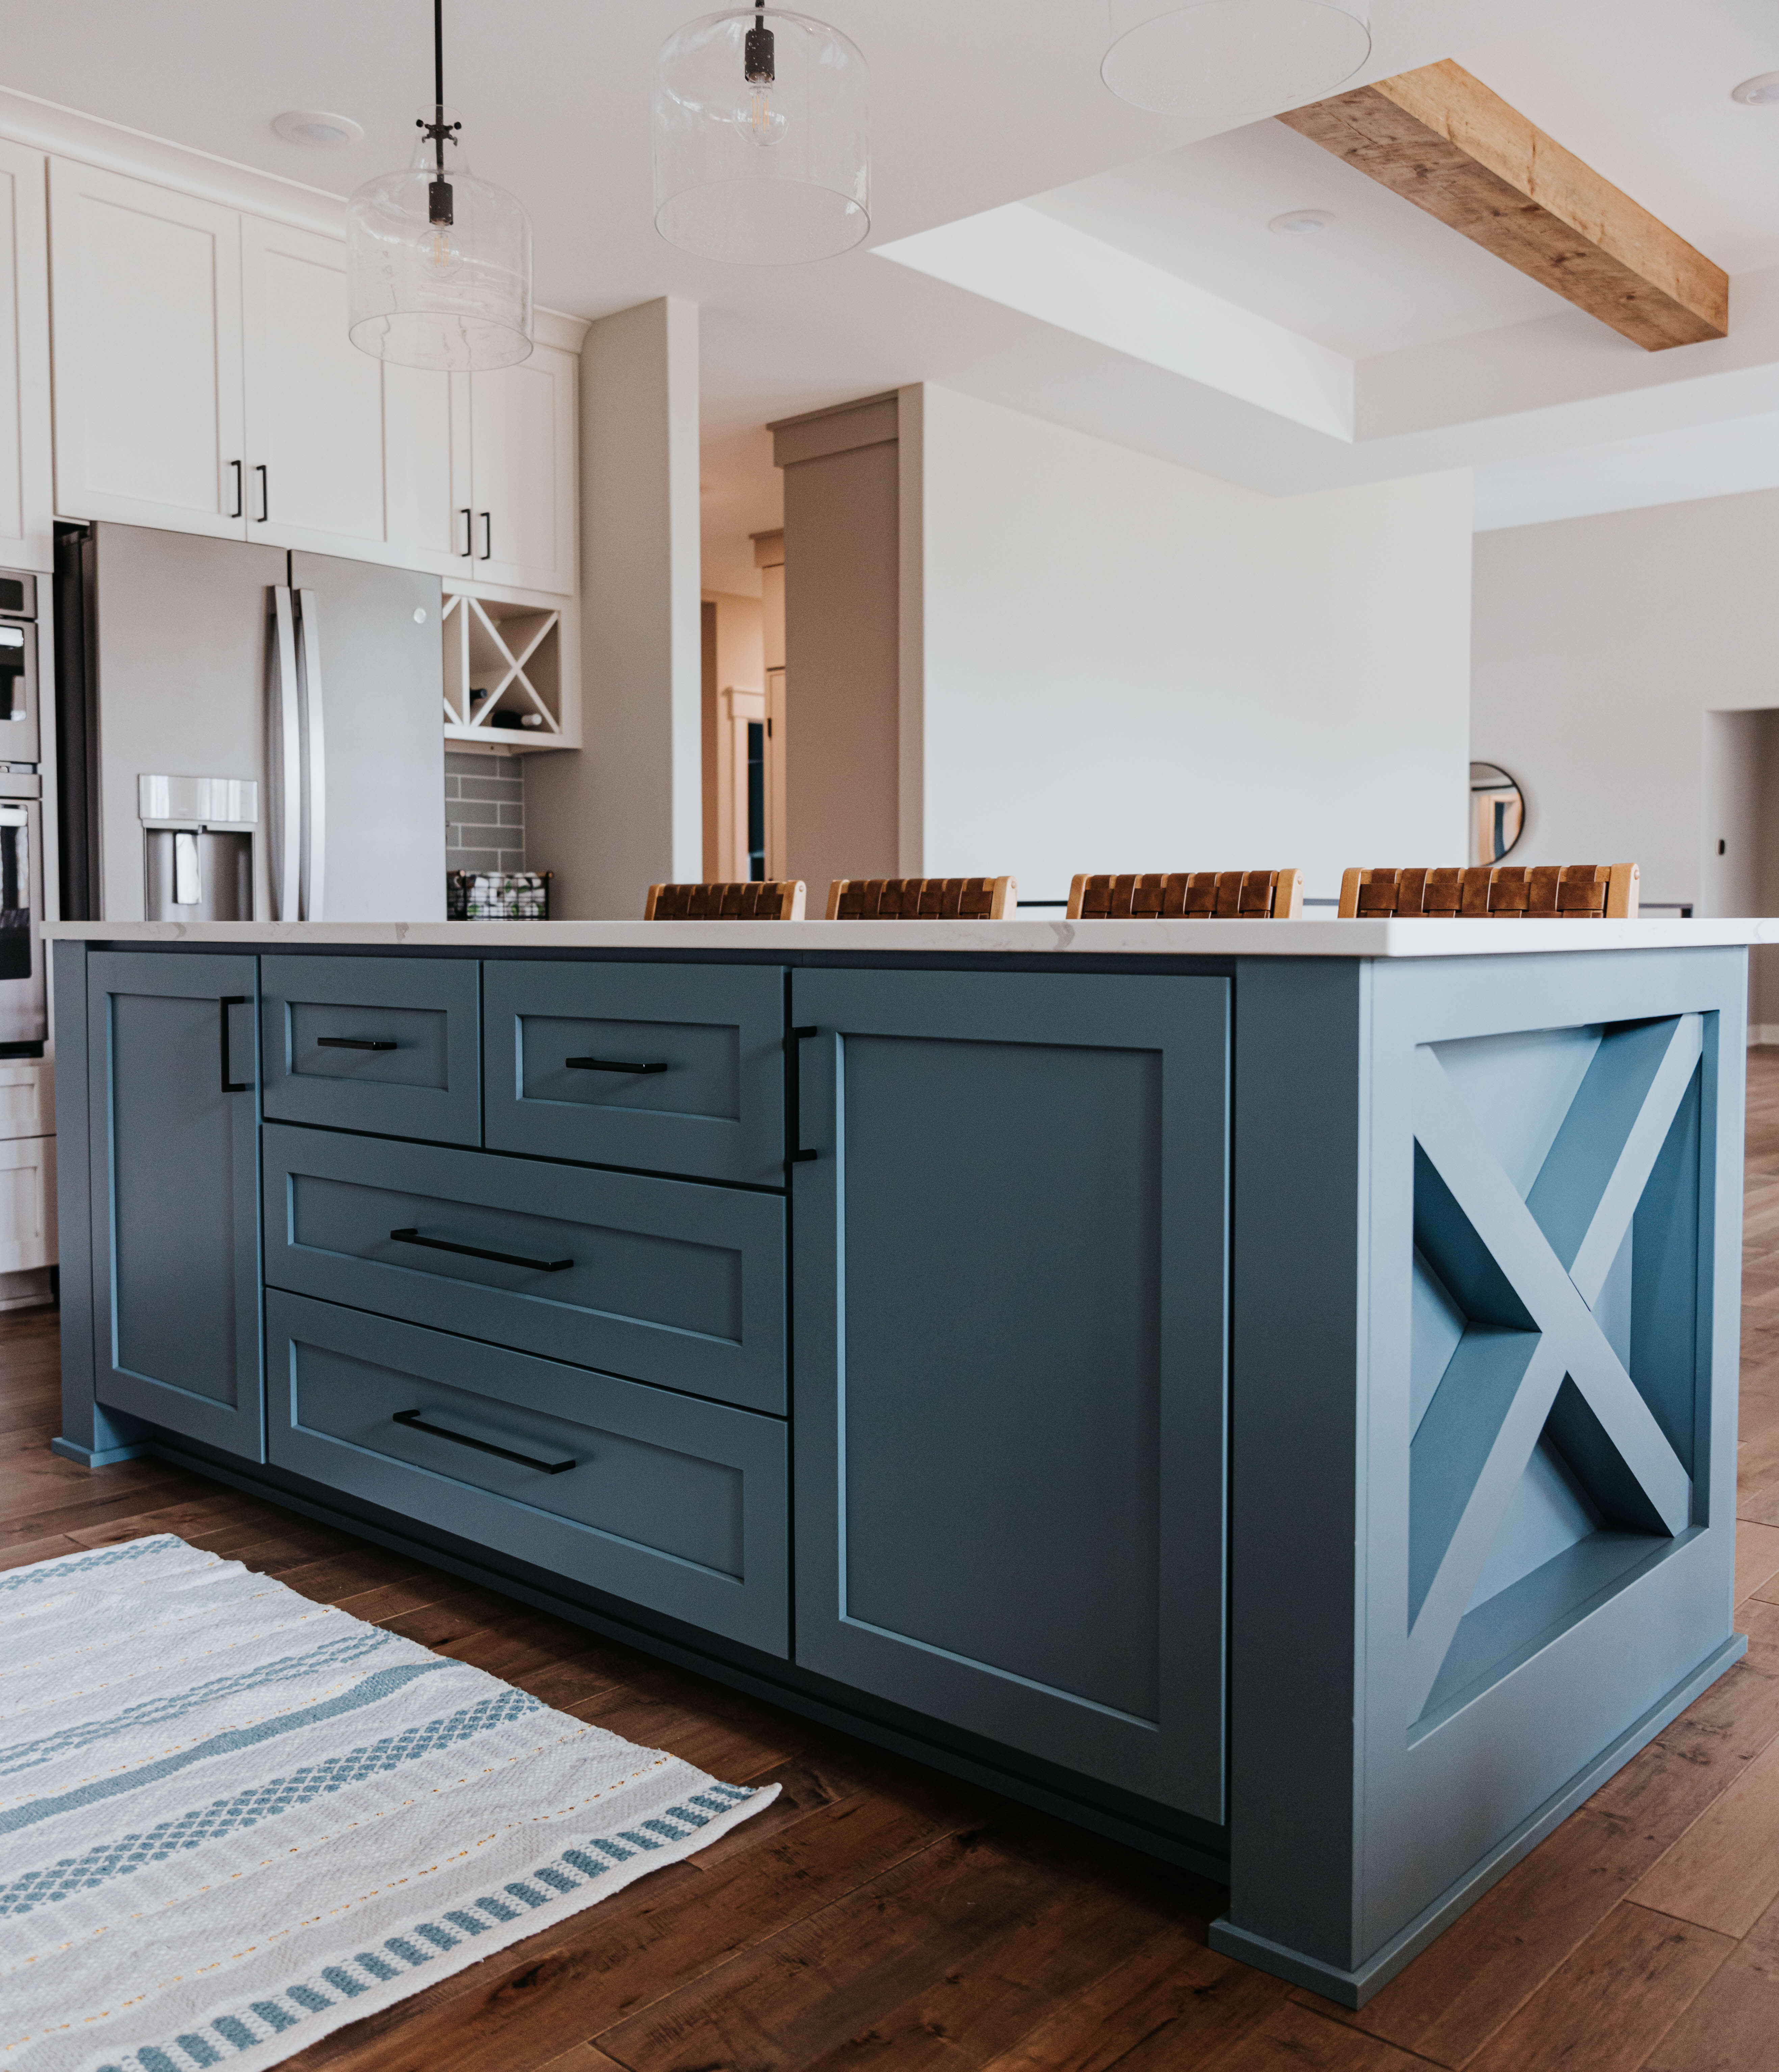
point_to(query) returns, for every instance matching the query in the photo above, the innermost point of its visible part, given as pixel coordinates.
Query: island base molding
(1353, 1989)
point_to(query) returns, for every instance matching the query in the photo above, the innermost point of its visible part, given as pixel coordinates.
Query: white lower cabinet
(27, 1203)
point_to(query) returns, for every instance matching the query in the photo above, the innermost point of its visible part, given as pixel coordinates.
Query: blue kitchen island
(1265, 1390)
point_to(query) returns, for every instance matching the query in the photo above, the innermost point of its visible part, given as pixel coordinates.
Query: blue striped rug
(231, 1820)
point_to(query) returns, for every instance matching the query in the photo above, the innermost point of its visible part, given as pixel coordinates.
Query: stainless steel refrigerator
(246, 733)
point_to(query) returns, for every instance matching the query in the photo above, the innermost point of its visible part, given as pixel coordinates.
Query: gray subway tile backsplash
(484, 806)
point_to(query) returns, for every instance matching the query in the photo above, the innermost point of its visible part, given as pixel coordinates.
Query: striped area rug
(231, 1820)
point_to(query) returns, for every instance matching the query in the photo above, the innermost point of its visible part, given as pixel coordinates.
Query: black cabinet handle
(487, 536)
(232, 1086)
(239, 509)
(608, 1065)
(798, 1156)
(354, 1043)
(479, 1252)
(265, 493)
(416, 1423)
(469, 534)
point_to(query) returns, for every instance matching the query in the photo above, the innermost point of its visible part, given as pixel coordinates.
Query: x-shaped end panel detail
(1535, 1267)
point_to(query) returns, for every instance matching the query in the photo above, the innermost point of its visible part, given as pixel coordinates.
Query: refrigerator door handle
(289, 792)
(314, 759)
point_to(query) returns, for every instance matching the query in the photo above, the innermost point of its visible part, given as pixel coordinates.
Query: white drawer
(27, 1203)
(27, 1098)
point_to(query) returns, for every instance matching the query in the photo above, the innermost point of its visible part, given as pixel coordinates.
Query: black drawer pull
(608, 1065)
(478, 1252)
(354, 1043)
(416, 1423)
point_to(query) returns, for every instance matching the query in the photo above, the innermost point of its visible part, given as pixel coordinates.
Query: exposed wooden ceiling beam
(1442, 140)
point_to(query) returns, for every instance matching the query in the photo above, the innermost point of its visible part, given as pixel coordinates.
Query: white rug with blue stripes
(231, 1820)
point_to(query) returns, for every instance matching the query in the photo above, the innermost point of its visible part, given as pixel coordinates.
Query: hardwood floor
(879, 1915)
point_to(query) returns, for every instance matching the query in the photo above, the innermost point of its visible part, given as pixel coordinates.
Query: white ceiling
(1459, 359)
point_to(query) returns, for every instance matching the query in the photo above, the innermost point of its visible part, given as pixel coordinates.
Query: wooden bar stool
(1189, 895)
(772, 899)
(1500, 891)
(921, 899)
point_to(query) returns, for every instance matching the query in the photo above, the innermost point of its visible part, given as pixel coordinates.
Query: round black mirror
(1497, 812)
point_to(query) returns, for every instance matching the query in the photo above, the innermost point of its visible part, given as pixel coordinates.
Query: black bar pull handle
(609, 1065)
(798, 1155)
(487, 536)
(354, 1043)
(480, 1251)
(416, 1423)
(232, 1086)
(240, 510)
(469, 533)
(266, 492)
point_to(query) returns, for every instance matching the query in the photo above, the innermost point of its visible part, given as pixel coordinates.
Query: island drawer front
(391, 1044)
(664, 1281)
(711, 1103)
(670, 1504)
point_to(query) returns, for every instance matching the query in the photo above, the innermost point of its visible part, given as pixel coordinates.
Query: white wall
(1602, 645)
(1120, 664)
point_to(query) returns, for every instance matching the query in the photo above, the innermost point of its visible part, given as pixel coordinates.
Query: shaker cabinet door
(522, 438)
(27, 491)
(149, 425)
(314, 402)
(1010, 1384)
(176, 1193)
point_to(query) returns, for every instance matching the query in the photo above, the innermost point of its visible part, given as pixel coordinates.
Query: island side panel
(1297, 1339)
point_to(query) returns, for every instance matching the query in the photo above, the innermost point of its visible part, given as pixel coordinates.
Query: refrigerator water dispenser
(197, 833)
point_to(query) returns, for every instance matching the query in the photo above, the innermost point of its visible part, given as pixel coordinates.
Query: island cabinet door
(1010, 1210)
(175, 1193)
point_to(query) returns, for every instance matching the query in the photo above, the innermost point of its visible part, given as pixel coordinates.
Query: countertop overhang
(1379, 938)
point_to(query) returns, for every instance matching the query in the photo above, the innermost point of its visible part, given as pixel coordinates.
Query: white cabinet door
(522, 433)
(28, 1204)
(427, 445)
(26, 488)
(148, 354)
(314, 402)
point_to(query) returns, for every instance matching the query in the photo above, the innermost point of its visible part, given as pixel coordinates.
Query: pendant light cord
(438, 81)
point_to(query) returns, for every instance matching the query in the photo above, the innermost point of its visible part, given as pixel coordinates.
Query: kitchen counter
(1022, 938)
(1265, 1390)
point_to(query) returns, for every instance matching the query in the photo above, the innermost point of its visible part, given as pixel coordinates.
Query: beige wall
(734, 655)
(627, 809)
(842, 591)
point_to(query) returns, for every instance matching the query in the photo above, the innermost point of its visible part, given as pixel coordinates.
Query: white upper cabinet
(27, 487)
(148, 354)
(314, 442)
(204, 382)
(522, 473)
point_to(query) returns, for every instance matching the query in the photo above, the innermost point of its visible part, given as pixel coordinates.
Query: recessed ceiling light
(314, 126)
(1762, 91)
(1302, 222)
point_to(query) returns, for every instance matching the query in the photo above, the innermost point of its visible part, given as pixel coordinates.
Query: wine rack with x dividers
(506, 686)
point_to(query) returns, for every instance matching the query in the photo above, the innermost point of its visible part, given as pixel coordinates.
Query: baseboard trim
(103, 1457)
(1353, 1989)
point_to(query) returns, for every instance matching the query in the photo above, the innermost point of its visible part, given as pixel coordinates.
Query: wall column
(627, 811)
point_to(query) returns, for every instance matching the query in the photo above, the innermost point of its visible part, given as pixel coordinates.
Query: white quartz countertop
(1318, 938)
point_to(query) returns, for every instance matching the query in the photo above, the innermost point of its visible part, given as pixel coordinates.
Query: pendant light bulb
(438, 262)
(761, 138)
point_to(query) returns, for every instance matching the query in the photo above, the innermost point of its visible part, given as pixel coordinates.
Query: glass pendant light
(438, 262)
(1228, 59)
(761, 138)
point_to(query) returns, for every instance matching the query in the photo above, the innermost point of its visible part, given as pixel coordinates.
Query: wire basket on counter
(497, 895)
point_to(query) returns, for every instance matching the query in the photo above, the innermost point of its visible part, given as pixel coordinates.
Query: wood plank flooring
(880, 1916)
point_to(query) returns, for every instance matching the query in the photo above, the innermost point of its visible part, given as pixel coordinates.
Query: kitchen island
(1263, 1390)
